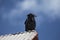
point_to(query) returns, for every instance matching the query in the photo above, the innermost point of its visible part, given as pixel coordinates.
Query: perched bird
(30, 23)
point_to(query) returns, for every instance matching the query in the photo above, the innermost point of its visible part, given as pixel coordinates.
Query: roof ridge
(18, 33)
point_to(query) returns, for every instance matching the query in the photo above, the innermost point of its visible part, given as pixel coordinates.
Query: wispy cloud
(48, 8)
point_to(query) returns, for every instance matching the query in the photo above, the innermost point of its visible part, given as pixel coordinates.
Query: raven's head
(31, 15)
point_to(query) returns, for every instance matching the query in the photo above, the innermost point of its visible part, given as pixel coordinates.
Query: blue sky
(13, 14)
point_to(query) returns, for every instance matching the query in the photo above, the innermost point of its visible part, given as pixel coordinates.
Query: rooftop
(31, 35)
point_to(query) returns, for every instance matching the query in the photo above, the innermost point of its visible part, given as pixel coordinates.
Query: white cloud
(29, 4)
(51, 8)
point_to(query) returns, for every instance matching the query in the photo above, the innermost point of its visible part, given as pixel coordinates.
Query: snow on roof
(19, 36)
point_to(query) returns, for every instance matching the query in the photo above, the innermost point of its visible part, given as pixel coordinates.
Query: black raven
(30, 22)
